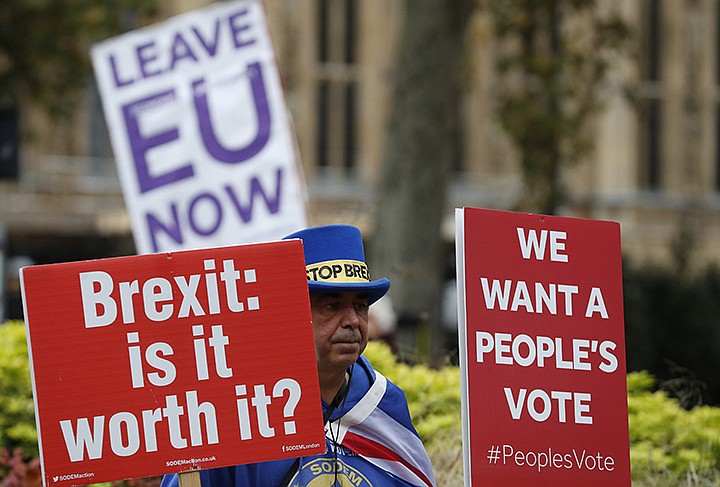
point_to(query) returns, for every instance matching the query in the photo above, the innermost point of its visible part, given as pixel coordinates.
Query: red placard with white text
(542, 350)
(172, 362)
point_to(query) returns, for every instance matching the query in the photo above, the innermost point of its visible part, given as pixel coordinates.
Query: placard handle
(189, 479)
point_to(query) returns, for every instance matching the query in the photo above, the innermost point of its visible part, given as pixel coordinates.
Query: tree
(554, 58)
(44, 45)
(411, 202)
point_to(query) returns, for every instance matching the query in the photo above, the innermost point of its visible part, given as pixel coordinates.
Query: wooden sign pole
(189, 479)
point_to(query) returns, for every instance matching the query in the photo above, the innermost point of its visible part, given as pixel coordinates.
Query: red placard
(172, 362)
(542, 350)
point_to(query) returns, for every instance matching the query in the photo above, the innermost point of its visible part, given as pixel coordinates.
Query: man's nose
(351, 317)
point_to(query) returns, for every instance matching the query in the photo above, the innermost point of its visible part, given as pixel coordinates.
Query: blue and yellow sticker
(321, 472)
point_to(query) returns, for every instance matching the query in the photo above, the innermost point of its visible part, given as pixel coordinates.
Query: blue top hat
(335, 261)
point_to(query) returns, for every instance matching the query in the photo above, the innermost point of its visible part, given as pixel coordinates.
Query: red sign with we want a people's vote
(172, 362)
(542, 350)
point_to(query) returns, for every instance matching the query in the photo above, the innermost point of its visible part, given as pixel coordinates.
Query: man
(368, 431)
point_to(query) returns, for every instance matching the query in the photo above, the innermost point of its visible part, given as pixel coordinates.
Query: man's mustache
(347, 336)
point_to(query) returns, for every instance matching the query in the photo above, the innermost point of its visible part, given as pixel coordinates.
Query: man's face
(340, 327)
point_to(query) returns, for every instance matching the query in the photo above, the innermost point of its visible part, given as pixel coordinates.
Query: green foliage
(667, 440)
(17, 412)
(553, 59)
(44, 44)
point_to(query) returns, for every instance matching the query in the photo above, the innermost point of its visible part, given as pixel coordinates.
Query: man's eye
(361, 307)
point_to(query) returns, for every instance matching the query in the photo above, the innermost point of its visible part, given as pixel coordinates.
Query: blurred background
(404, 110)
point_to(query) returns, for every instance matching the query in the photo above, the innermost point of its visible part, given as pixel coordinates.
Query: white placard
(200, 130)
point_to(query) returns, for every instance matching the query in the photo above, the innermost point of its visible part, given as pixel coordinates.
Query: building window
(99, 137)
(337, 82)
(9, 143)
(650, 123)
(651, 90)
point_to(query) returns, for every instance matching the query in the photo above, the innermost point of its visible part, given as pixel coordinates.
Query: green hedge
(666, 441)
(672, 329)
(17, 411)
